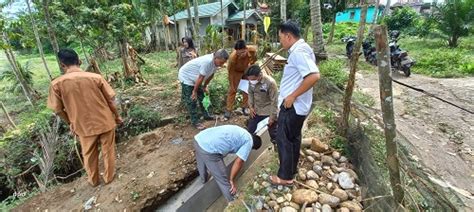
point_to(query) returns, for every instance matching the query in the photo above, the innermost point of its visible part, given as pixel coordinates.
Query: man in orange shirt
(85, 101)
(239, 60)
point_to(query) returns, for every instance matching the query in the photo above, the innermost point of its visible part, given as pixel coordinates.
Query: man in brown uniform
(85, 101)
(240, 59)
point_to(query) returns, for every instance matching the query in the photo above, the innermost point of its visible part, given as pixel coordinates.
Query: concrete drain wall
(198, 196)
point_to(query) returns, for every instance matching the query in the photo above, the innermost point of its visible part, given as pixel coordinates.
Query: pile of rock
(325, 182)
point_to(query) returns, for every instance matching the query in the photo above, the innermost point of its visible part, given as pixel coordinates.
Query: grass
(434, 58)
(334, 70)
(432, 55)
(363, 98)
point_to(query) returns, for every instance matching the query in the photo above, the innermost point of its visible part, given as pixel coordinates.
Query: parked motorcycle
(399, 59)
(370, 53)
(350, 42)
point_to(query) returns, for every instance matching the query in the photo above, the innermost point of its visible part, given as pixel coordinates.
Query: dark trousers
(214, 163)
(253, 122)
(289, 141)
(191, 105)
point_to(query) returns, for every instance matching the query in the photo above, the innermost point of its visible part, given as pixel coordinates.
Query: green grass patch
(435, 59)
(334, 71)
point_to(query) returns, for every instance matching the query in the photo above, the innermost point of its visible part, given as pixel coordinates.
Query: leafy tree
(455, 19)
(401, 19)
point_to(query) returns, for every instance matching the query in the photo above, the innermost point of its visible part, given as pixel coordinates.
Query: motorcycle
(370, 53)
(350, 40)
(399, 59)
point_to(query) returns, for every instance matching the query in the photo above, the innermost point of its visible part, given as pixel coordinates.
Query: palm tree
(316, 24)
(38, 40)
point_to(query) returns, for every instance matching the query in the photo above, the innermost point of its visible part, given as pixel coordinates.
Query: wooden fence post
(353, 69)
(386, 100)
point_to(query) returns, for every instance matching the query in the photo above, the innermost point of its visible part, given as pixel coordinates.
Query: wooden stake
(386, 99)
(353, 68)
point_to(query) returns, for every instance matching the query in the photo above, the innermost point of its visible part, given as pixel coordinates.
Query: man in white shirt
(213, 144)
(192, 75)
(296, 96)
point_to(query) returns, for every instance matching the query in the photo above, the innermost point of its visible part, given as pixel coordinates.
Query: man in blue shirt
(213, 144)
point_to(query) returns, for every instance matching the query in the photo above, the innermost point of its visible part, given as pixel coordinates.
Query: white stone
(345, 180)
(329, 199)
(312, 175)
(326, 208)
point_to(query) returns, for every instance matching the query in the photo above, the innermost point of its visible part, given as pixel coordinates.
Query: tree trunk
(353, 68)
(193, 29)
(165, 37)
(283, 10)
(154, 40)
(84, 50)
(453, 41)
(386, 9)
(10, 120)
(222, 23)
(386, 100)
(317, 25)
(333, 25)
(128, 72)
(176, 33)
(197, 26)
(24, 87)
(376, 10)
(38, 40)
(51, 33)
(244, 23)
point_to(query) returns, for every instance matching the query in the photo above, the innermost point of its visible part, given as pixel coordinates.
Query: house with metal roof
(210, 14)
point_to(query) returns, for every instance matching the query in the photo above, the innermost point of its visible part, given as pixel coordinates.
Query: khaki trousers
(90, 153)
(234, 79)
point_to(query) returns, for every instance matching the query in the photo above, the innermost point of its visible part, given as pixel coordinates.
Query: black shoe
(227, 114)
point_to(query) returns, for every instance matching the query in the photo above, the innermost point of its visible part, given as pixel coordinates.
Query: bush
(20, 145)
(334, 71)
(139, 119)
(402, 19)
(341, 29)
(218, 91)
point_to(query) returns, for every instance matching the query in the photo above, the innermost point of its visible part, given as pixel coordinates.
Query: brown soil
(150, 168)
(442, 134)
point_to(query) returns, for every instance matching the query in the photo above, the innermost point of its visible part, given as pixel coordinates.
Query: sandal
(199, 126)
(275, 180)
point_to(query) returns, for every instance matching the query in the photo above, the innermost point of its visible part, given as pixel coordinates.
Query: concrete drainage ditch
(201, 197)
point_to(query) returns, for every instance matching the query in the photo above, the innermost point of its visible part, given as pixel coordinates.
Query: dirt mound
(150, 168)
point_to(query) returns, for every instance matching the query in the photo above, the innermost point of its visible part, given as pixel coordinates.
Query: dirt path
(442, 134)
(150, 168)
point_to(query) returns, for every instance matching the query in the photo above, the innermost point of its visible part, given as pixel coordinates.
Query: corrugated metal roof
(240, 15)
(205, 10)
